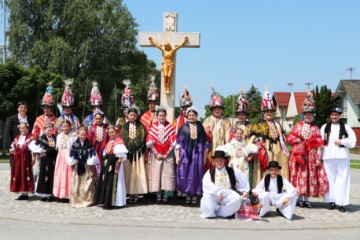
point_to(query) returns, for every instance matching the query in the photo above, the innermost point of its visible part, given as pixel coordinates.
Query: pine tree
(324, 102)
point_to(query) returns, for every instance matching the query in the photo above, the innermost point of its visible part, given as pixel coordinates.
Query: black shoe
(307, 204)
(23, 197)
(332, 206)
(278, 211)
(50, 199)
(342, 209)
(44, 199)
(300, 203)
(231, 216)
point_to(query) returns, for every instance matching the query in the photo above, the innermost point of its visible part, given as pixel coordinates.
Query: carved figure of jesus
(168, 54)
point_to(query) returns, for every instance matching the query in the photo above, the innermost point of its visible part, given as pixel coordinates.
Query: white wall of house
(351, 112)
(291, 111)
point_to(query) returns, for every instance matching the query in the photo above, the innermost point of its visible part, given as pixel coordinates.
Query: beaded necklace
(63, 141)
(193, 131)
(51, 141)
(109, 146)
(161, 132)
(273, 132)
(239, 146)
(99, 133)
(305, 130)
(132, 130)
(218, 122)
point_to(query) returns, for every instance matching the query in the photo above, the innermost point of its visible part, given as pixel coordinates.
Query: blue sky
(259, 42)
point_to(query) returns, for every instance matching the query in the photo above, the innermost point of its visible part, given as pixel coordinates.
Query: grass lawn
(4, 159)
(355, 164)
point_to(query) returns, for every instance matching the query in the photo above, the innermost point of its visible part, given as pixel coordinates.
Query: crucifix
(169, 41)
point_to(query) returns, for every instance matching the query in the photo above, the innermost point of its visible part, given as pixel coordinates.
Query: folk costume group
(215, 163)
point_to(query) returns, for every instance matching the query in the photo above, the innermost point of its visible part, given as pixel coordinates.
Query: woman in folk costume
(127, 101)
(307, 173)
(40, 122)
(63, 173)
(217, 127)
(112, 192)
(185, 103)
(134, 135)
(21, 179)
(83, 159)
(96, 103)
(271, 141)
(67, 103)
(160, 167)
(48, 116)
(241, 111)
(98, 136)
(191, 148)
(45, 149)
(240, 151)
(153, 99)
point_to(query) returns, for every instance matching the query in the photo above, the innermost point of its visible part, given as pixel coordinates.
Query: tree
(25, 84)
(87, 40)
(254, 99)
(324, 102)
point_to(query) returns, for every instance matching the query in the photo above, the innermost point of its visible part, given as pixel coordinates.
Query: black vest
(231, 174)
(342, 133)
(279, 183)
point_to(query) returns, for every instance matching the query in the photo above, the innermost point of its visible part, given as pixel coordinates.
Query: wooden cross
(175, 38)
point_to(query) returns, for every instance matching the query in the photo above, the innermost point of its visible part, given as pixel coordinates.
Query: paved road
(11, 229)
(151, 221)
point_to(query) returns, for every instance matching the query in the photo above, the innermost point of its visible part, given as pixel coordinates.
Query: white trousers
(211, 207)
(268, 199)
(338, 173)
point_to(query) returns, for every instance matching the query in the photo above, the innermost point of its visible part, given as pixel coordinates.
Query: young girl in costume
(21, 179)
(45, 148)
(83, 159)
(112, 192)
(63, 173)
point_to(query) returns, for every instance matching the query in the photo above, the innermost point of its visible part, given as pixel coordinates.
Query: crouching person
(222, 189)
(275, 190)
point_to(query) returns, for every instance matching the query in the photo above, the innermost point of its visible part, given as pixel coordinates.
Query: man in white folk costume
(275, 190)
(222, 189)
(338, 138)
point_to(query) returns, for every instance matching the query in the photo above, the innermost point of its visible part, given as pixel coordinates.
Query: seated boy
(222, 187)
(274, 190)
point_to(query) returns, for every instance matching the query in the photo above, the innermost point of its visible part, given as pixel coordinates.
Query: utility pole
(308, 85)
(350, 69)
(4, 46)
(290, 86)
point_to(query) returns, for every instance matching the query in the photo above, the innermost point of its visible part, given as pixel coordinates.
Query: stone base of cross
(170, 35)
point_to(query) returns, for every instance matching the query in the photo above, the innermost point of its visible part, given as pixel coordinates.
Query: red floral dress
(305, 176)
(21, 170)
